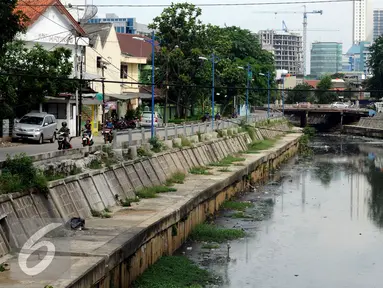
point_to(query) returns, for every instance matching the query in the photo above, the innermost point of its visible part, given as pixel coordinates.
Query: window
(56, 109)
(124, 71)
(98, 62)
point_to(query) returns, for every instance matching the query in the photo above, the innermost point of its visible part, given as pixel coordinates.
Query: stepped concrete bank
(368, 127)
(113, 252)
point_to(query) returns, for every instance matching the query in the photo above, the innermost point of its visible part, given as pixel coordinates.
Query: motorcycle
(87, 139)
(62, 142)
(108, 135)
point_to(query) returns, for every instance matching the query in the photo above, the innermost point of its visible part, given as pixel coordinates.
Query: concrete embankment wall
(168, 231)
(367, 126)
(78, 195)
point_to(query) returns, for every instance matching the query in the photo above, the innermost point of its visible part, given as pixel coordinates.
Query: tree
(322, 93)
(300, 93)
(184, 39)
(375, 63)
(12, 22)
(46, 74)
(337, 75)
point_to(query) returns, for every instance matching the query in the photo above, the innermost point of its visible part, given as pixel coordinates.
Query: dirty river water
(323, 228)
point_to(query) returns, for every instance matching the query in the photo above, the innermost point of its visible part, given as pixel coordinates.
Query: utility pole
(167, 92)
(76, 76)
(212, 91)
(103, 67)
(80, 96)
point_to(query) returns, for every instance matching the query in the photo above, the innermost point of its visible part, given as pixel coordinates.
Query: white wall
(110, 52)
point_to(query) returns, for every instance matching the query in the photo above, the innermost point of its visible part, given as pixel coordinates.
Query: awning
(88, 76)
(129, 95)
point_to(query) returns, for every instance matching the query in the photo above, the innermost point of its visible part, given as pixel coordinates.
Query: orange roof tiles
(33, 9)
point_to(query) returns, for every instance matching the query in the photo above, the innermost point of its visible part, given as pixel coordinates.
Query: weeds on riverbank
(304, 149)
(106, 213)
(151, 192)
(128, 201)
(19, 174)
(227, 161)
(173, 272)
(211, 233)
(176, 178)
(257, 146)
(238, 206)
(200, 171)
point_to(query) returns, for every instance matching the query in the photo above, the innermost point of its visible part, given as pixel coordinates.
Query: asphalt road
(32, 149)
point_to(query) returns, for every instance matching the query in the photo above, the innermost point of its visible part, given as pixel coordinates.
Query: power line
(183, 86)
(211, 4)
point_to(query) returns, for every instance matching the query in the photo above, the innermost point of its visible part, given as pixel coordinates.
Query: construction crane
(285, 29)
(305, 13)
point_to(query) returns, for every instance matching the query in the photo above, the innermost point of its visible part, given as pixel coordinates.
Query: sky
(336, 19)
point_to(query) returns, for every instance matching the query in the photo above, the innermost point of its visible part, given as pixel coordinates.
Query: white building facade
(51, 26)
(362, 21)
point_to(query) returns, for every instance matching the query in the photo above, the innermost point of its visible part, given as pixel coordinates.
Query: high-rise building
(122, 25)
(378, 23)
(287, 49)
(359, 55)
(362, 21)
(326, 58)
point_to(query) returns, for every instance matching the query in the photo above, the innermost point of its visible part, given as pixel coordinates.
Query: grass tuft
(210, 246)
(173, 272)
(224, 170)
(239, 206)
(212, 233)
(176, 178)
(151, 192)
(128, 201)
(261, 145)
(200, 171)
(227, 161)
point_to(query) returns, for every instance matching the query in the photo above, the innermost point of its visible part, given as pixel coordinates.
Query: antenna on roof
(90, 12)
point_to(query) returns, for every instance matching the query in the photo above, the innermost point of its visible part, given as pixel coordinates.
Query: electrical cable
(186, 86)
(210, 4)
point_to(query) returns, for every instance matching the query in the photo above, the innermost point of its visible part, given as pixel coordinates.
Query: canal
(323, 227)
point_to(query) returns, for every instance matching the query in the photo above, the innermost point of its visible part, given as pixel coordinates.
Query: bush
(19, 174)
(309, 131)
(157, 145)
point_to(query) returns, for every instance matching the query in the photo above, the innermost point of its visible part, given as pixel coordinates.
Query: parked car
(339, 105)
(36, 127)
(146, 119)
(304, 105)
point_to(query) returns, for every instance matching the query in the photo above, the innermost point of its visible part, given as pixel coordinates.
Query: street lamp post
(152, 42)
(268, 92)
(213, 61)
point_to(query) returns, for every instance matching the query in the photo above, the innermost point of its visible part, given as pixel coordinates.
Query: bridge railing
(141, 135)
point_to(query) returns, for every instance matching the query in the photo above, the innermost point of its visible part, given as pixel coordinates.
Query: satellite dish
(90, 12)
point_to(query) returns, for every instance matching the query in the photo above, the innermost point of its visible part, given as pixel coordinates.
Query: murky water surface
(325, 228)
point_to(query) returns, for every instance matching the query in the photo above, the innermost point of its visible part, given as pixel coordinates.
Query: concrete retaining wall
(170, 230)
(96, 190)
(362, 131)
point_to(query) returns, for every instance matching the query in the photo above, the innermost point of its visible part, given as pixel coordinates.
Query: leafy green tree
(12, 22)
(375, 63)
(322, 93)
(19, 94)
(300, 93)
(184, 38)
(337, 76)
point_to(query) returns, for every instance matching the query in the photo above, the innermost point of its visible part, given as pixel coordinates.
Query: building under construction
(286, 47)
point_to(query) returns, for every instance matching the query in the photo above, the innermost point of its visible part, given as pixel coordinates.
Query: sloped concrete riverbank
(113, 252)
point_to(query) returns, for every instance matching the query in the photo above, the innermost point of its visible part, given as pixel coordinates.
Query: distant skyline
(336, 16)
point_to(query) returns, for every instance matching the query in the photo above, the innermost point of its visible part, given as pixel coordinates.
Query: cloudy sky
(336, 16)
